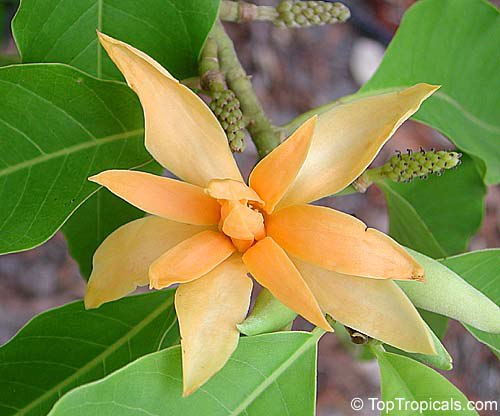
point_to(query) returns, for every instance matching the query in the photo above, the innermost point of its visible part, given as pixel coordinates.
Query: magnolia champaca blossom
(209, 229)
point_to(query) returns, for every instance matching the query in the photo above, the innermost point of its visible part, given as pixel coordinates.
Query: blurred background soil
(292, 71)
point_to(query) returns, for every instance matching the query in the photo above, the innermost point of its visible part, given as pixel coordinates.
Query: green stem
(346, 191)
(318, 332)
(241, 11)
(211, 78)
(375, 347)
(259, 126)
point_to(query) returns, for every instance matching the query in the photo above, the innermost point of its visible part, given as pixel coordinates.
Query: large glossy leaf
(66, 347)
(172, 32)
(404, 380)
(438, 216)
(271, 374)
(446, 293)
(57, 127)
(482, 270)
(453, 43)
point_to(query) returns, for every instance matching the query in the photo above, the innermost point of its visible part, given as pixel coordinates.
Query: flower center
(242, 222)
(241, 218)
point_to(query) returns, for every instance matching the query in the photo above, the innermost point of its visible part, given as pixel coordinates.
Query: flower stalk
(242, 11)
(224, 102)
(405, 167)
(259, 126)
(288, 13)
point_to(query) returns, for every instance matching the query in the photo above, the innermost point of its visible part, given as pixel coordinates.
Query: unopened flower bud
(226, 108)
(293, 13)
(404, 167)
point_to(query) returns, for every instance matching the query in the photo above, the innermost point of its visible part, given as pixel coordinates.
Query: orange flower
(208, 232)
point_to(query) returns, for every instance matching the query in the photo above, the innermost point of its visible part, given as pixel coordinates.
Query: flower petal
(165, 197)
(340, 242)
(231, 190)
(377, 308)
(243, 223)
(181, 131)
(272, 268)
(209, 309)
(190, 259)
(274, 174)
(122, 261)
(348, 137)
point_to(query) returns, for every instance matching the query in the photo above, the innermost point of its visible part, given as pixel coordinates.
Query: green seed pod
(404, 167)
(292, 13)
(226, 107)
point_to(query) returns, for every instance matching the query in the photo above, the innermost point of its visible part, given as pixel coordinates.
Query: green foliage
(451, 43)
(446, 293)
(268, 315)
(438, 216)
(438, 323)
(269, 374)
(481, 269)
(172, 32)
(442, 360)
(69, 346)
(401, 377)
(58, 127)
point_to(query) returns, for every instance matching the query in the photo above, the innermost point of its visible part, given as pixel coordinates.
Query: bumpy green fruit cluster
(226, 107)
(404, 167)
(310, 13)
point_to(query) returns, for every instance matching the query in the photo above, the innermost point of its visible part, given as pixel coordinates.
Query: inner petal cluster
(241, 217)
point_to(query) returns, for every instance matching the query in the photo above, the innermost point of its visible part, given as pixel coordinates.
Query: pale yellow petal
(181, 131)
(190, 259)
(208, 310)
(348, 137)
(165, 197)
(122, 261)
(274, 174)
(340, 242)
(377, 308)
(272, 268)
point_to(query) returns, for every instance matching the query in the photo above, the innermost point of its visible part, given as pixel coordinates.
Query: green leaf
(270, 374)
(438, 323)
(480, 269)
(452, 43)
(172, 32)
(57, 127)
(268, 315)
(69, 346)
(404, 380)
(442, 360)
(95, 219)
(438, 216)
(446, 293)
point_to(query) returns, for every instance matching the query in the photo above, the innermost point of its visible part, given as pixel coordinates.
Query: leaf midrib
(103, 355)
(70, 150)
(250, 398)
